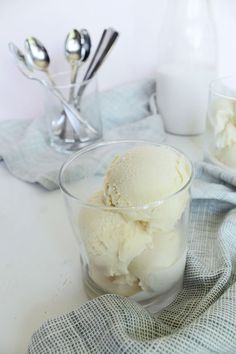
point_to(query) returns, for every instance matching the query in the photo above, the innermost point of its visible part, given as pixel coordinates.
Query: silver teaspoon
(37, 56)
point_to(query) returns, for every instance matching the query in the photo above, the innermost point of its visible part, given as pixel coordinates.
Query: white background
(134, 56)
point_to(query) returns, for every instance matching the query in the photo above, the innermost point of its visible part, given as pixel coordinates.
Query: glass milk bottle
(185, 66)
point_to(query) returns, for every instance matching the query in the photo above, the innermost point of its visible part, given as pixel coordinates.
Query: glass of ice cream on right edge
(220, 139)
(128, 202)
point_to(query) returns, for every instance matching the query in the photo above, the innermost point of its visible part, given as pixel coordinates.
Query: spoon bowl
(36, 54)
(86, 43)
(16, 52)
(73, 46)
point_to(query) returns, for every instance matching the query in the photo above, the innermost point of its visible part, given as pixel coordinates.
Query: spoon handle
(108, 38)
(68, 131)
(50, 78)
(74, 73)
(106, 42)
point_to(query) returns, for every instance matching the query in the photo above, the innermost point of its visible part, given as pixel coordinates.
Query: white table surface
(39, 257)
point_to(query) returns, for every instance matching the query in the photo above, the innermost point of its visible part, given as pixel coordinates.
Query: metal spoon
(20, 58)
(16, 52)
(77, 49)
(86, 40)
(108, 38)
(37, 56)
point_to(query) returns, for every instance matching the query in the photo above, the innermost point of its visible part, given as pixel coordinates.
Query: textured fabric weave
(126, 109)
(202, 319)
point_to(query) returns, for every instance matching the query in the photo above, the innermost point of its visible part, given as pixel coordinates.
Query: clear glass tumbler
(135, 251)
(221, 122)
(78, 123)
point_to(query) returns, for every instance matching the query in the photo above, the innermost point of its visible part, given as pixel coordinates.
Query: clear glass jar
(186, 64)
(136, 251)
(220, 138)
(64, 136)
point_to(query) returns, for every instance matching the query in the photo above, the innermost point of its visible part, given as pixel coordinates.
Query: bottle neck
(189, 9)
(197, 8)
(188, 33)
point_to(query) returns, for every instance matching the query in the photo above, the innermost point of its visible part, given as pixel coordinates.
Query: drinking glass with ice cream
(128, 202)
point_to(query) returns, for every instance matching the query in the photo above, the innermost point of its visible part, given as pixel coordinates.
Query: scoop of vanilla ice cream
(145, 175)
(223, 122)
(163, 265)
(111, 241)
(165, 216)
(227, 155)
(124, 285)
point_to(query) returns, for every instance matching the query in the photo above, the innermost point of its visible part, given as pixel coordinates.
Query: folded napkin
(127, 113)
(202, 319)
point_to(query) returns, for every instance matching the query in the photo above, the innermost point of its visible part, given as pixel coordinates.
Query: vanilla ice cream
(130, 227)
(143, 175)
(163, 265)
(111, 241)
(125, 285)
(146, 175)
(223, 121)
(227, 155)
(223, 124)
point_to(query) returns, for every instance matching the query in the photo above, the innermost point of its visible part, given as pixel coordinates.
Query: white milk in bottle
(186, 66)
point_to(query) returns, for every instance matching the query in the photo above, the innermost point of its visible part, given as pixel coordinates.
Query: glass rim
(76, 84)
(221, 79)
(95, 146)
